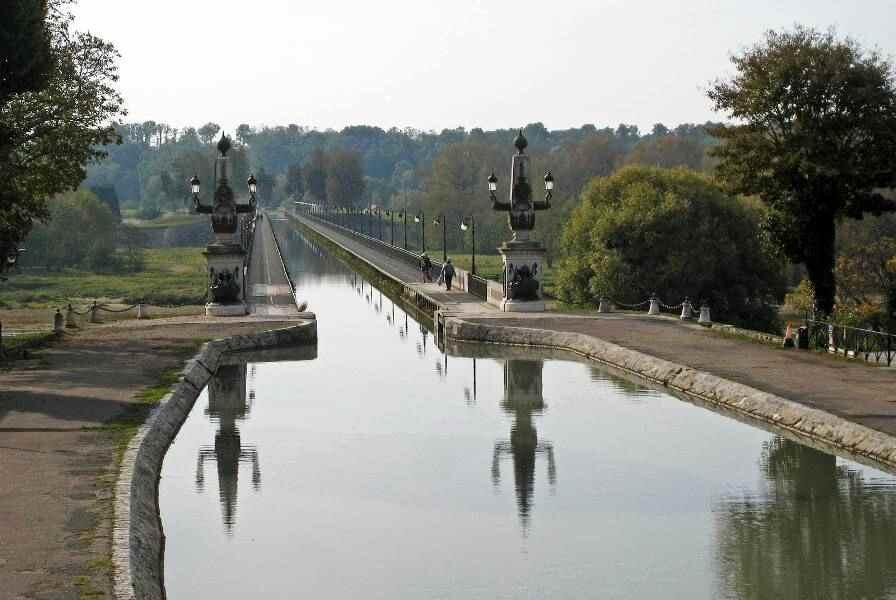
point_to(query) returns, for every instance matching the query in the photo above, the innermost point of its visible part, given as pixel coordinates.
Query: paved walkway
(268, 288)
(850, 389)
(58, 449)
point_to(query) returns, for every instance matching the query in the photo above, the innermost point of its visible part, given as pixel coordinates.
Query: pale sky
(435, 65)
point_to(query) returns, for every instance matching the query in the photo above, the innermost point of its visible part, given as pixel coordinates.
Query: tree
(674, 232)
(816, 140)
(25, 47)
(208, 132)
(316, 175)
(345, 178)
(295, 182)
(244, 133)
(866, 269)
(52, 126)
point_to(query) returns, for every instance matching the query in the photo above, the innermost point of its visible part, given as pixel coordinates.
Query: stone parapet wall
(813, 426)
(138, 539)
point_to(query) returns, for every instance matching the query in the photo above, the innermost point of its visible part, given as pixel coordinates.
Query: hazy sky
(432, 65)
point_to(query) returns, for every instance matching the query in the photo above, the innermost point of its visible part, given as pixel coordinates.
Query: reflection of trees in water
(523, 397)
(227, 403)
(630, 389)
(817, 530)
(310, 263)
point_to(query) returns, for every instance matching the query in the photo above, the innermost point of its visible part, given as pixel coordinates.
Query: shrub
(674, 232)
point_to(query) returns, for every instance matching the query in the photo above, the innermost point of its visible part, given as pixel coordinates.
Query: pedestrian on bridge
(447, 274)
(426, 268)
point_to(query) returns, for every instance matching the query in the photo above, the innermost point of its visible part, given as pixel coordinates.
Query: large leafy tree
(814, 136)
(55, 117)
(670, 231)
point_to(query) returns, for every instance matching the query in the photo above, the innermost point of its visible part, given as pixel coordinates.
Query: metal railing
(478, 286)
(877, 347)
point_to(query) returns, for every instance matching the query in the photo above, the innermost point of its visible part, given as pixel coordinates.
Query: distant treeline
(361, 165)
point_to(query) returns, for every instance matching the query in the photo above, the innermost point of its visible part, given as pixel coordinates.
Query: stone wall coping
(138, 541)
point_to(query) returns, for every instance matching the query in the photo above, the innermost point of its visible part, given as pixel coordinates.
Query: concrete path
(850, 389)
(58, 451)
(268, 289)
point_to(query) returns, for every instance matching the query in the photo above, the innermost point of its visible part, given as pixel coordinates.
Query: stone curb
(138, 541)
(809, 423)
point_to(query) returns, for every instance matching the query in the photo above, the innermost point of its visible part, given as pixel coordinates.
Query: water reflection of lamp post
(472, 227)
(227, 402)
(523, 397)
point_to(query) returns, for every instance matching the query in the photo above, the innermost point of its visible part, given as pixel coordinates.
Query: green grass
(170, 220)
(171, 276)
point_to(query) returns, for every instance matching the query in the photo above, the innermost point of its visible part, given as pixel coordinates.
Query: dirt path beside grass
(63, 415)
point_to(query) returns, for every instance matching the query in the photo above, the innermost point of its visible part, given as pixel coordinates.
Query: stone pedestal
(225, 263)
(523, 259)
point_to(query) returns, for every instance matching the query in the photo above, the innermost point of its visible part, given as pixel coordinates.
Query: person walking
(426, 268)
(447, 274)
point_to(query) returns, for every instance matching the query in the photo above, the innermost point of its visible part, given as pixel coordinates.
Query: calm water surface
(386, 469)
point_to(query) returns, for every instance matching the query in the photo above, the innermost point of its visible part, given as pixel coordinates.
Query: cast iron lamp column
(440, 220)
(391, 227)
(472, 226)
(404, 218)
(421, 218)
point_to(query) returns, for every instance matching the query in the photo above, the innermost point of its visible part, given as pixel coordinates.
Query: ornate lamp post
(225, 255)
(472, 226)
(421, 218)
(391, 215)
(404, 219)
(440, 220)
(523, 258)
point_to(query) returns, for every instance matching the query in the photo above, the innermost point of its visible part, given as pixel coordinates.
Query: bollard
(141, 311)
(93, 313)
(687, 311)
(604, 306)
(58, 322)
(704, 319)
(654, 305)
(802, 338)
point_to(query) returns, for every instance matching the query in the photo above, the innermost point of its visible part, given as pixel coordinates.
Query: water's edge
(821, 429)
(138, 540)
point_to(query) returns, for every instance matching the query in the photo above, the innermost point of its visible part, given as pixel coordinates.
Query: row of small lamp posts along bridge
(343, 216)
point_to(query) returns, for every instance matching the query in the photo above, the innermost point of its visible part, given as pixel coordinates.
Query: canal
(385, 468)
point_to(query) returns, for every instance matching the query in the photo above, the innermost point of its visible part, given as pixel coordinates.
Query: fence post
(705, 318)
(58, 322)
(687, 311)
(654, 305)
